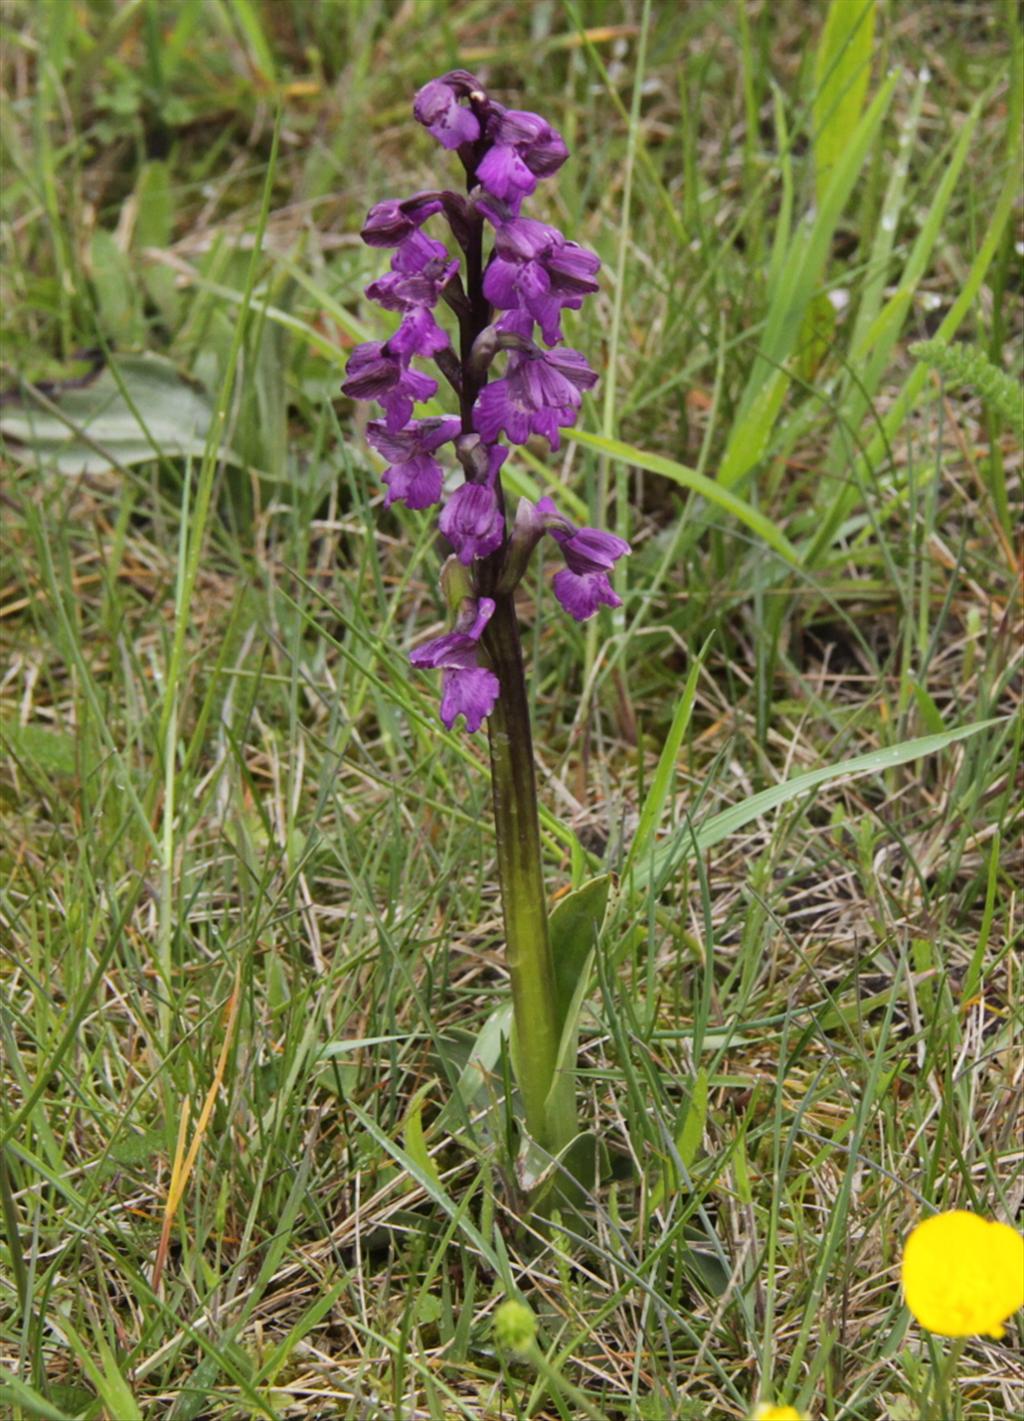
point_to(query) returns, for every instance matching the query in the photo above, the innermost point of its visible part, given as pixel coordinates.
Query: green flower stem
(946, 1393)
(521, 876)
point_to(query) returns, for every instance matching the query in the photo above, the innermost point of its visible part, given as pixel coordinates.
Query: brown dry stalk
(181, 1170)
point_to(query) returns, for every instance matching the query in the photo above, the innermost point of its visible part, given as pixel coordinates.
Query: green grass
(243, 866)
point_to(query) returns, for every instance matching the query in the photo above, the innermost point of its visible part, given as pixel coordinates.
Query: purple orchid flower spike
(502, 303)
(467, 688)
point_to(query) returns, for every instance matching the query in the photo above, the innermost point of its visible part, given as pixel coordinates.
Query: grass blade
(697, 483)
(650, 815)
(768, 381)
(841, 72)
(737, 816)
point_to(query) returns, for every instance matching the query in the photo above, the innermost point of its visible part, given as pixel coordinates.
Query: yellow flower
(777, 1413)
(963, 1275)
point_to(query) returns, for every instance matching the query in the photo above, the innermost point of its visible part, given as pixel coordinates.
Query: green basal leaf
(148, 410)
(573, 926)
(413, 1138)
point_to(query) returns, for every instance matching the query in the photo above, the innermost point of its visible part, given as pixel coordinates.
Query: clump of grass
(217, 769)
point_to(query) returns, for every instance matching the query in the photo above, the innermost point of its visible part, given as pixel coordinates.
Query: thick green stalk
(527, 944)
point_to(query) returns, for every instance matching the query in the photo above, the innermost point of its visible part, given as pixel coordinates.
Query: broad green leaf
(573, 925)
(691, 479)
(478, 1073)
(413, 1138)
(560, 1105)
(16, 1393)
(841, 71)
(707, 1269)
(100, 427)
(52, 751)
(563, 1180)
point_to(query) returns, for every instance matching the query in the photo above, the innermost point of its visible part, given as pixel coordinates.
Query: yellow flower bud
(962, 1275)
(777, 1413)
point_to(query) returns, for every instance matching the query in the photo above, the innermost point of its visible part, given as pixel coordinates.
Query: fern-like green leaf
(964, 364)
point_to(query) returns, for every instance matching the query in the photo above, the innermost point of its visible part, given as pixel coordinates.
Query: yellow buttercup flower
(777, 1413)
(963, 1276)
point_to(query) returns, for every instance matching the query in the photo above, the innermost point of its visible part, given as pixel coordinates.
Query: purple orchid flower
(374, 373)
(525, 148)
(437, 107)
(540, 394)
(414, 476)
(419, 334)
(536, 270)
(467, 688)
(472, 522)
(583, 585)
(420, 253)
(388, 223)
